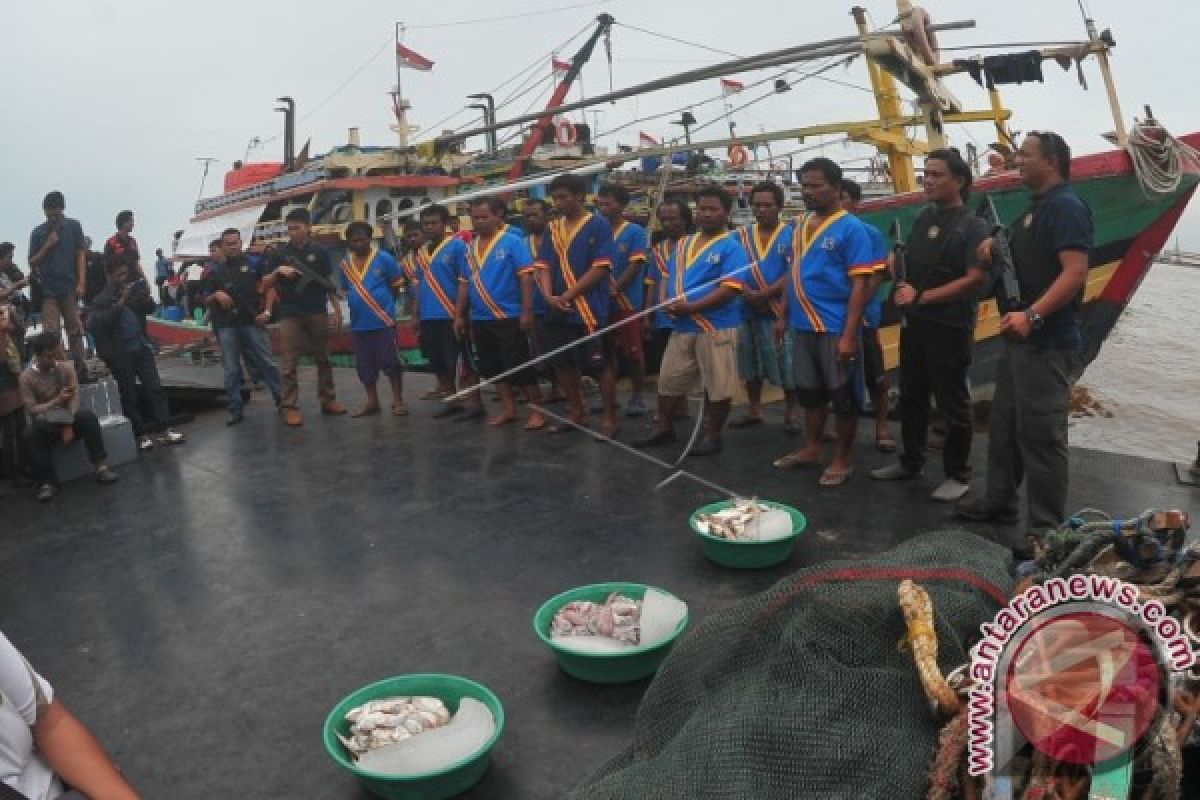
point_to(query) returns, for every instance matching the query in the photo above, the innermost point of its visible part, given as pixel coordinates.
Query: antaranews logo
(1078, 667)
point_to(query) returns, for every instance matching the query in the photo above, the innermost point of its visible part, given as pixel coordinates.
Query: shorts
(376, 352)
(760, 359)
(589, 357)
(711, 357)
(872, 358)
(820, 377)
(501, 345)
(627, 339)
(440, 347)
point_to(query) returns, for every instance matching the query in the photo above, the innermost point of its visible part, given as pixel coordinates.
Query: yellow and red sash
(622, 301)
(425, 261)
(477, 261)
(686, 255)
(803, 242)
(562, 239)
(758, 250)
(355, 277)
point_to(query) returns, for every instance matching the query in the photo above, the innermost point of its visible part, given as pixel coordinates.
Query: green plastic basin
(440, 785)
(747, 554)
(619, 667)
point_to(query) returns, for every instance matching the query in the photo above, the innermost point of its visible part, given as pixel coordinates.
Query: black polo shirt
(238, 278)
(294, 300)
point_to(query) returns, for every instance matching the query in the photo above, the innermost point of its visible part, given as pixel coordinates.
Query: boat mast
(1102, 45)
(898, 149)
(399, 105)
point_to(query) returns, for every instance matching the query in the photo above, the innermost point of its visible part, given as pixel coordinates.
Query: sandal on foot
(832, 477)
(746, 421)
(795, 460)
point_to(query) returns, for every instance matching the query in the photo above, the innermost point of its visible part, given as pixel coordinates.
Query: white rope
(1160, 164)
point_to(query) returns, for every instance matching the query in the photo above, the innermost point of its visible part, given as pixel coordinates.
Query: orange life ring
(739, 156)
(564, 132)
(922, 37)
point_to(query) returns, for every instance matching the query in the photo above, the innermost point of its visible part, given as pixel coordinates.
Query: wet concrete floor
(203, 615)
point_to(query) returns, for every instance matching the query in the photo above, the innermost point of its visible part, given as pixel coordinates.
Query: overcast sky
(112, 101)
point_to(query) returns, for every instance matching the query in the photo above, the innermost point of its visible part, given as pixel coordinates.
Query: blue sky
(112, 101)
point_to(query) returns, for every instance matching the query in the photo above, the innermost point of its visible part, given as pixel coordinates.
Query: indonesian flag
(646, 140)
(558, 67)
(730, 86)
(410, 59)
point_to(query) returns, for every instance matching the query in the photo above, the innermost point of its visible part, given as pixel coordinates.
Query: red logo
(1083, 687)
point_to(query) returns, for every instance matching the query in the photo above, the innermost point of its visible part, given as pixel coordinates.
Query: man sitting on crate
(50, 392)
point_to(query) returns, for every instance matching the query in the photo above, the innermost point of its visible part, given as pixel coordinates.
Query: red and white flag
(558, 67)
(730, 86)
(646, 140)
(410, 59)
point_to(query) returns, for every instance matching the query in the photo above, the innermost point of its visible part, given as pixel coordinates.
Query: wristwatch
(1036, 320)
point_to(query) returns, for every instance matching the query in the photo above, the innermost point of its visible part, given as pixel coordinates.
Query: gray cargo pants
(1029, 431)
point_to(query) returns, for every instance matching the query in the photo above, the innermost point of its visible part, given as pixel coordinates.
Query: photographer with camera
(115, 320)
(50, 393)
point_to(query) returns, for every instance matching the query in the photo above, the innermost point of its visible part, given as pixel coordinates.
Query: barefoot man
(371, 278)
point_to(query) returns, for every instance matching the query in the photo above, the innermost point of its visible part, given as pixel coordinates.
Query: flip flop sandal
(746, 422)
(794, 460)
(793, 427)
(832, 478)
(885, 444)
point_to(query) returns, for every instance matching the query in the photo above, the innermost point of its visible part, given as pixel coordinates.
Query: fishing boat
(1137, 190)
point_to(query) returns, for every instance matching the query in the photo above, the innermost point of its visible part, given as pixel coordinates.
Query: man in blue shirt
(1051, 245)
(162, 268)
(573, 271)
(630, 244)
(372, 279)
(436, 267)
(829, 289)
(705, 281)
(496, 293)
(768, 243)
(874, 374)
(58, 257)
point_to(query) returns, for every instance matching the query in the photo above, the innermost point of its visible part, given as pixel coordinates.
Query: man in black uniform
(1042, 343)
(302, 275)
(938, 297)
(235, 308)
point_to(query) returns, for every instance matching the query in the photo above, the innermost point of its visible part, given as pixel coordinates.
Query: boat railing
(280, 183)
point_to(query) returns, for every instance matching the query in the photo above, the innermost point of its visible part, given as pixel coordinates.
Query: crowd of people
(565, 293)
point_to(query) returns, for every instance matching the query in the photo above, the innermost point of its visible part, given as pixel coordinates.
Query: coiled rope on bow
(1160, 160)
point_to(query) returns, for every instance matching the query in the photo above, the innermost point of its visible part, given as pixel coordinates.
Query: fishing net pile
(810, 688)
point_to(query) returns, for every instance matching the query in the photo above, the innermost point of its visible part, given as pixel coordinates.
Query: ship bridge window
(383, 208)
(331, 208)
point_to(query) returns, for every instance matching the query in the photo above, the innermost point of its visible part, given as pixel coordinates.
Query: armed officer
(301, 273)
(1041, 356)
(938, 297)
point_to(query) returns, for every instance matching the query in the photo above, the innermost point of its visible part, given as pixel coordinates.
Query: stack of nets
(807, 689)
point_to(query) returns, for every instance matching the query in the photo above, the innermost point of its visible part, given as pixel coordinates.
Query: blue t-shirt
(568, 251)
(58, 271)
(827, 259)
(658, 271)
(438, 272)
(371, 290)
(873, 313)
(699, 268)
(629, 253)
(534, 242)
(770, 258)
(162, 268)
(494, 273)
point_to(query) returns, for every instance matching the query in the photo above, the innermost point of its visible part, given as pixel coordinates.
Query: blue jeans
(252, 343)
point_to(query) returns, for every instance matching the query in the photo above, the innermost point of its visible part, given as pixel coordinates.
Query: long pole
(401, 110)
(1110, 86)
(829, 47)
(204, 176)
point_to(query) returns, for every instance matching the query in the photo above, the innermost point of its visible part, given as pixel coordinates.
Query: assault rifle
(900, 263)
(307, 276)
(1009, 297)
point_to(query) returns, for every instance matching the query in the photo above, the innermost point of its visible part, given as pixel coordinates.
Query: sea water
(1147, 376)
